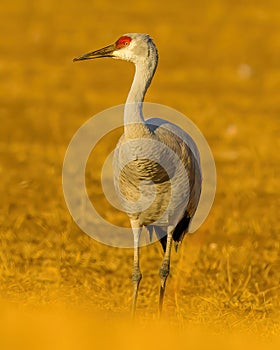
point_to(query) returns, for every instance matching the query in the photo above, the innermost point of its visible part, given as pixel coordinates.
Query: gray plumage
(135, 164)
(157, 171)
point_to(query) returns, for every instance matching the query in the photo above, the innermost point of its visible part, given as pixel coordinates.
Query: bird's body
(157, 171)
(143, 169)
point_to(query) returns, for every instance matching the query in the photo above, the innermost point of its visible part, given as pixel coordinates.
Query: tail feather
(181, 228)
(178, 234)
(161, 234)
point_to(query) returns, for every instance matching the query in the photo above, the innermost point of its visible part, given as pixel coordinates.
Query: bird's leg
(164, 269)
(136, 273)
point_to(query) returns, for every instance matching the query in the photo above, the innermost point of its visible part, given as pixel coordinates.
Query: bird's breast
(149, 181)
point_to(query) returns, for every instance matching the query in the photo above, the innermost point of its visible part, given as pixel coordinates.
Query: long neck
(134, 123)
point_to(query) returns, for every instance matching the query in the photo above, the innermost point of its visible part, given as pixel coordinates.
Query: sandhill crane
(154, 159)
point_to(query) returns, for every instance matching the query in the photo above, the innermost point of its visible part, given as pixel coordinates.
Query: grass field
(219, 65)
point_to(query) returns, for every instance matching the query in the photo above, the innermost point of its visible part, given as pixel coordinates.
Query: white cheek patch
(124, 54)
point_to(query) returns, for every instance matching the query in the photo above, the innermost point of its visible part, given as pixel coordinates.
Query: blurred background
(219, 65)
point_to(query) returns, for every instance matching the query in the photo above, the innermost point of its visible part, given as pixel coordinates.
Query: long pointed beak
(104, 52)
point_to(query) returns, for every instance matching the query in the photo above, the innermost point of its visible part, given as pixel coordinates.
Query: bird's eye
(123, 41)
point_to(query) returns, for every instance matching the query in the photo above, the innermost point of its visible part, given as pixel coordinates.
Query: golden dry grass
(219, 64)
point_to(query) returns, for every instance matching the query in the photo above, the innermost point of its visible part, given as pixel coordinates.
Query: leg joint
(136, 275)
(164, 270)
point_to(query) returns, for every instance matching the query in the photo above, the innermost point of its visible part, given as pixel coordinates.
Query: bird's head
(133, 47)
